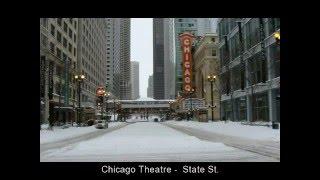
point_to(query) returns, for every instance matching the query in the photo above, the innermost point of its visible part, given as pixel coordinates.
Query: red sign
(186, 43)
(100, 91)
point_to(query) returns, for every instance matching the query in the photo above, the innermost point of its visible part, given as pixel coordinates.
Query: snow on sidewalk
(233, 129)
(48, 136)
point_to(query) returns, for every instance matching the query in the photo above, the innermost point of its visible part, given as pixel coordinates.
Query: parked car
(101, 124)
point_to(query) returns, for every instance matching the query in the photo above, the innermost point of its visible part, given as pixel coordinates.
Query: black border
(25, 107)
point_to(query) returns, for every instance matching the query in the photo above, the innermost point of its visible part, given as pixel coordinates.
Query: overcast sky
(142, 50)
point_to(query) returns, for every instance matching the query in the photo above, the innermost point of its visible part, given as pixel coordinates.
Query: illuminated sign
(186, 42)
(100, 91)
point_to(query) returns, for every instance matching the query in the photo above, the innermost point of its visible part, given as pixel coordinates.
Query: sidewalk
(88, 133)
(268, 148)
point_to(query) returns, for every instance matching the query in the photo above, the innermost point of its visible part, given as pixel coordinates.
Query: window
(44, 22)
(75, 24)
(59, 21)
(58, 53)
(252, 29)
(273, 25)
(261, 110)
(44, 40)
(275, 60)
(70, 47)
(213, 39)
(214, 52)
(64, 57)
(235, 46)
(70, 33)
(74, 38)
(64, 42)
(59, 36)
(74, 51)
(257, 69)
(65, 27)
(51, 47)
(52, 30)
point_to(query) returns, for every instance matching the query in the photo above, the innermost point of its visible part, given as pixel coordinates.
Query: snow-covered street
(148, 141)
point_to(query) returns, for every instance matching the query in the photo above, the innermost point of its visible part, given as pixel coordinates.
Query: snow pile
(142, 138)
(58, 134)
(233, 129)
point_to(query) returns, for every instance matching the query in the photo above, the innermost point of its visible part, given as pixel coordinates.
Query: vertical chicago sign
(186, 43)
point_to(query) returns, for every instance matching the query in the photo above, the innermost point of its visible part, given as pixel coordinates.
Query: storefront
(276, 95)
(226, 110)
(240, 109)
(261, 108)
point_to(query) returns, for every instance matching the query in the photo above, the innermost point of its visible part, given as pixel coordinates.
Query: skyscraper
(135, 80)
(204, 25)
(92, 43)
(113, 58)
(58, 59)
(150, 87)
(169, 59)
(158, 58)
(123, 26)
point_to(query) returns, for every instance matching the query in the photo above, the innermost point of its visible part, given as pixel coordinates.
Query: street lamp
(107, 96)
(79, 78)
(276, 36)
(212, 79)
(190, 92)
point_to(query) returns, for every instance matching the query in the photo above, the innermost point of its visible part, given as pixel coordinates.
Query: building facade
(124, 54)
(92, 57)
(150, 87)
(113, 57)
(58, 60)
(169, 58)
(158, 58)
(206, 63)
(250, 69)
(204, 25)
(135, 80)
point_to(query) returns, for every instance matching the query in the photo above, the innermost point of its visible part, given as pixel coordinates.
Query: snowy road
(145, 142)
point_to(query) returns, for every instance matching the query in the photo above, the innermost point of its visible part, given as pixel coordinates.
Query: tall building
(250, 69)
(123, 26)
(158, 58)
(113, 57)
(169, 59)
(150, 87)
(204, 25)
(58, 59)
(135, 80)
(206, 63)
(181, 25)
(92, 57)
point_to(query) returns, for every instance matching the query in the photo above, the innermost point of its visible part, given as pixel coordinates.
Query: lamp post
(212, 79)
(79, 78)
(190, 92)
(107, 96)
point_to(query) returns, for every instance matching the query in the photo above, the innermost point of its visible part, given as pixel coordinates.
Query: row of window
(257, 67)
(251, 34)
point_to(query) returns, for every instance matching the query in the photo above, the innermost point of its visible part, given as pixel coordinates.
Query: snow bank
(58, 134)
(234, 129)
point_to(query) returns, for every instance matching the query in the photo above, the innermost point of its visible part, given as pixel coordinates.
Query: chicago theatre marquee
(190, 104)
